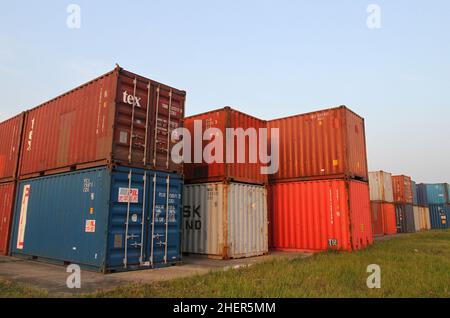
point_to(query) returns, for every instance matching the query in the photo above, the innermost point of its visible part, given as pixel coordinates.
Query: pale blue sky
(267, 58)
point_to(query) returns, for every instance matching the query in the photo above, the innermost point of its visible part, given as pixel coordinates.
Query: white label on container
(23, 216)
(126, 195)
(123, 138)
(90, 226)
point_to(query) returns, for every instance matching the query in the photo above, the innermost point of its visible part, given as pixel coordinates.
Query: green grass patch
(9, 289)
(413, 265)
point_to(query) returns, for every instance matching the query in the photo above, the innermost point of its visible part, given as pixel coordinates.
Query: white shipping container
(425, 218)
(380, 184)
(418, 221)
(225, 220)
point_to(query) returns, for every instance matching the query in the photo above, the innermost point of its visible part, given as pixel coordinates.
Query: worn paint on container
(100, 219)
(225, 220)
(320, 215)
(248, 171)
(10, 139)
(119, 117)
(380, 184)
(7, 193)
(422, 199)
(402, 188)
(436, 193)
(439, 216)
(425, 222)
(383, 218)
(414, 193)
(321, 145)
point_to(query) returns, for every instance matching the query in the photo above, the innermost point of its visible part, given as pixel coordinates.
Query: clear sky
(267, 58)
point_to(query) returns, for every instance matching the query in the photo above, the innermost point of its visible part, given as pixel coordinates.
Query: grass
(413, 265)
(9, 289)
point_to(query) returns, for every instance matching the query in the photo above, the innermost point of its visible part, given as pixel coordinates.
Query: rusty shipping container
(225, 220)
(383, 218)
(117, 118)
(248, 169)
(7, 193)
(10, 139)
(320, 215)
(322, 144)
(402, 189)
(380, 184)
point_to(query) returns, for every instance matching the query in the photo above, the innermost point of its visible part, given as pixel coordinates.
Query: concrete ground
(53, 277)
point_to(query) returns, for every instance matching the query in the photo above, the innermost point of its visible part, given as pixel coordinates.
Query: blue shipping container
(422, 194)
(436, 193)
(439, 216)
(448, 193)
(100, 219)
(414, 192)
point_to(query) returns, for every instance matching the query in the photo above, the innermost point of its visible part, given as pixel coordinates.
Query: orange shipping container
(383, 218)
(323, 144)
(7, 192)
(117, 118)
(402, 189)
(10, 138)
(320, 215)
(222, 119)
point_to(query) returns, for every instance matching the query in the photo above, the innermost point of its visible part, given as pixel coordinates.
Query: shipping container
(425, 218)
(418, 225)
(245, 166)
(383, 218)
(119, 118)
(405, 218)
(448, 193)
(380, 184)
(414, 193)
(10, 139)
(436, 193)
(7, 192)
(225, 220)
(402, 189)
(101, 219)
(320, 215)
(422, 199)
(439, 216)
(320, 145)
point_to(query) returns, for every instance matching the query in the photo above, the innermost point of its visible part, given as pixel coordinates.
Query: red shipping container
(118, 118)
(320, 215)
(383, 218)
(216, 172)
(402, 189)
(7, 192)
(10, 138)
(324, 144)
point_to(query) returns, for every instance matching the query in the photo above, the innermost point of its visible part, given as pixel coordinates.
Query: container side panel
(377, 218)
(436, 193)
(63, 217)
(422, 198)
(402, 189)
(417, 219)
(7, 193)
(356, 145)
(247, 224)
(362, 235)
(380, 184)
(410, 219)
(390, 226)
(415, 200)
(10, 132)
(439, 216)
(400, 216)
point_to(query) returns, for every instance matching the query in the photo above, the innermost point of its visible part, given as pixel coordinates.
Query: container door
(400, 217)
(128, 223)
(164, 231)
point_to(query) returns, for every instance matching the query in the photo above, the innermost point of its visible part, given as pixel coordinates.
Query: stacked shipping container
(438, 203)
(382, 203)
(121, 125)
(319, 198)
(225, 199)
(403, 198)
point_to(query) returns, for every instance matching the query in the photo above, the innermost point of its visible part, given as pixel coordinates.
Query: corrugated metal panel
(320, 215)
(424, 215)
(402, 189)
(11, 134)
(377, 218)
(418, 225)
(383, 218)
(409, 214)
(439, 216)
(81, 217)
(92, 124)
(7, 192)
(422, 199)
(414, 192)
(405, 218)
(239, 172)
(436, 193)
(448, 193)
(380, 184)
(321, 144)
(225, 220)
